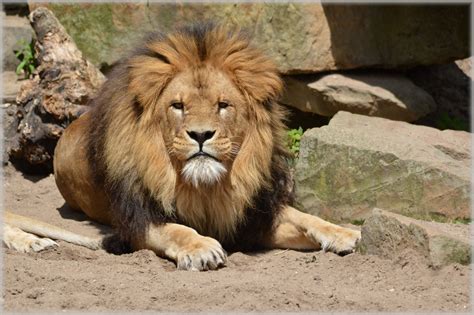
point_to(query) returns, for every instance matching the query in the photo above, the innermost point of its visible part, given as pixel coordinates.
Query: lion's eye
(177, 105)
(223, 105)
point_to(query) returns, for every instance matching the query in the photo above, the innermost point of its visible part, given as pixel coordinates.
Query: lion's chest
(212, 213)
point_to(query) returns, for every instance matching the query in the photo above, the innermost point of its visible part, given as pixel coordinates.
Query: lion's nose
(201, 137)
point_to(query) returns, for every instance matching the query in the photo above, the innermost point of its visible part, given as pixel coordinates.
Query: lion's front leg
(19, 240)
(298, 230)
(190, 250)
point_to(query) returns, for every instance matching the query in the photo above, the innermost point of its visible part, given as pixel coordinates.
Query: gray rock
(10, 120)
(357, 163)
(11, 86)
(300, 37)
(379, 94)
(15, 28)
(465, 65)
(397, 237)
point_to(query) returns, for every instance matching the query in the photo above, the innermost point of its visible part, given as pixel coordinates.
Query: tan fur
(304, 231)
(184, 245)
(73, 174)
(20, 234)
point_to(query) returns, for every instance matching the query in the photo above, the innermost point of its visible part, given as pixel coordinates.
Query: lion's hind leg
(24, 242)
(298, 230)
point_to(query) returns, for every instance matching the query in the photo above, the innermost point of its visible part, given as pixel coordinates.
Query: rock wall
(300, 37)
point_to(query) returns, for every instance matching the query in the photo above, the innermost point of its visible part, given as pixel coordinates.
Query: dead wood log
(58, 93)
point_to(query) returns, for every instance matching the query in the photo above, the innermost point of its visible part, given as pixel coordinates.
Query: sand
(72, 278)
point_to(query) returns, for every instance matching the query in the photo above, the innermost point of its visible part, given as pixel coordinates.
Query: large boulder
(397, 237)
(301, 37)
(379, 94)
(358, 162)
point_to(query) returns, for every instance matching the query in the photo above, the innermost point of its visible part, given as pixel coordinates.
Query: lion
(183, 153)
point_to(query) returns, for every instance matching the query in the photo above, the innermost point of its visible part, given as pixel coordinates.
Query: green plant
(294, 138)
(462, 220)
(26, 57)
(358, 221)
(447, 122)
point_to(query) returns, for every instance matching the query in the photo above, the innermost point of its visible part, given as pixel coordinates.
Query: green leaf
(20, 67)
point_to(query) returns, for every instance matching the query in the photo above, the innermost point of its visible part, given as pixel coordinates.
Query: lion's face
(204, 123)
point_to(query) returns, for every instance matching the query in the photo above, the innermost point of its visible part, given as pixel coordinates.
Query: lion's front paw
(204, 253)
(16, 239)
(339, 240)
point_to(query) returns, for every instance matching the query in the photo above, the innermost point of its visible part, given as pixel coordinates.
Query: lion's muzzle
(201, 137)
(202, 154)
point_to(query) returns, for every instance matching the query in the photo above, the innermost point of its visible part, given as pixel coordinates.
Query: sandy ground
(75, 278)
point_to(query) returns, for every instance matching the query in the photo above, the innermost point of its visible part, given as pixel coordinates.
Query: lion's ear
(148, 76)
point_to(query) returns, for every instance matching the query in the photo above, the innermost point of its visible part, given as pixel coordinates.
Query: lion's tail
(44, 229)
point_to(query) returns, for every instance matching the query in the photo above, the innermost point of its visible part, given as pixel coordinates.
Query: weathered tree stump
(58, 93)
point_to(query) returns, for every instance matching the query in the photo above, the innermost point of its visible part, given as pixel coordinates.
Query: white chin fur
(203, 170)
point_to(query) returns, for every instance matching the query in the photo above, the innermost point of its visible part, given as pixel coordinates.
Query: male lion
(183, 153)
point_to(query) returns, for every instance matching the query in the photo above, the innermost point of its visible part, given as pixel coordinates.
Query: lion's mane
(129, 158)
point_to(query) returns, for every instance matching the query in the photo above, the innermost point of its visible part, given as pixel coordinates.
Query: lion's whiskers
(235, 149)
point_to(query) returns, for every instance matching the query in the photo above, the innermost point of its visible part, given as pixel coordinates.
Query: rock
(57, 94)
(300, 37)
(357, 163)
(445, 250)
(386, 95)
(450, 86)
(385, 236)
(10, 118)
(15, 29)
(465, 65)
(11, 86)
(394, 236)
